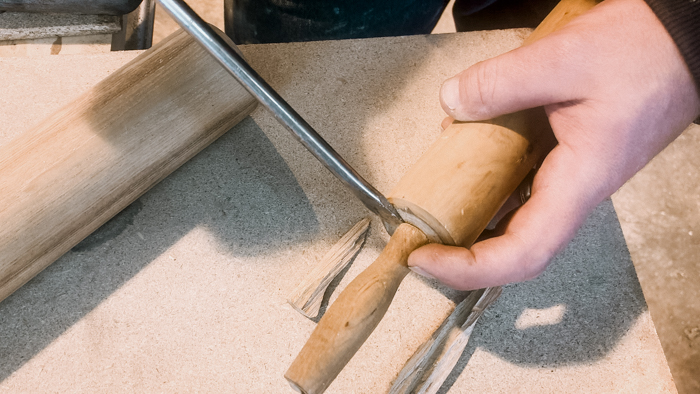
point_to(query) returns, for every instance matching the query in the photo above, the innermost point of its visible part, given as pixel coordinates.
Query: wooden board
(187, 290)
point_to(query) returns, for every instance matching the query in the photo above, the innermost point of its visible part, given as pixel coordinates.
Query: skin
(616, 91)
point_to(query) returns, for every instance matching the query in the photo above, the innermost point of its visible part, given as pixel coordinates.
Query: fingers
(544, 72)
(531, 238)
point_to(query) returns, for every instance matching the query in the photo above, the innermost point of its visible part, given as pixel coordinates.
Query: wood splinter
(307, 297)
(434, 360)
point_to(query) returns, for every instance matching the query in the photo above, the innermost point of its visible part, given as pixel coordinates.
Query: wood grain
(66, 177)
(459, 184)
(307, 296)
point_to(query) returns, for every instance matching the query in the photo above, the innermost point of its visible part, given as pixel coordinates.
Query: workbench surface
(185, 290)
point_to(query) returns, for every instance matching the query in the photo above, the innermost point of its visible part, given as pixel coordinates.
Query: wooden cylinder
(459, 184)
(63, 179)
(450, 194)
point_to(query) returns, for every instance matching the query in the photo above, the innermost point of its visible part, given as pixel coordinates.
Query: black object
(473, 15)
(267, 21)
(89, 7)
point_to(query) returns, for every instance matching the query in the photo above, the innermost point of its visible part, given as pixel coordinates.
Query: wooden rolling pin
(448, 196)
(66, 177)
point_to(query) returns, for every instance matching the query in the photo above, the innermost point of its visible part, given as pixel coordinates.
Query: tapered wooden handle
(354, 315)
(64, 178)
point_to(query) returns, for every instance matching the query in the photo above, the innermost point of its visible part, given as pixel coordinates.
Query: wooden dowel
(63, 179)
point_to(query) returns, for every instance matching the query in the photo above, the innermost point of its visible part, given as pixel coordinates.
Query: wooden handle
(63, 179)
(354, 315)
(451, 193)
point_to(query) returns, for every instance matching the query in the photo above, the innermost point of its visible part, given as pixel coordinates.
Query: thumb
(528, 77)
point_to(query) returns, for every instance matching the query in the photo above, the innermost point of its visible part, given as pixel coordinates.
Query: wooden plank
(66, 177)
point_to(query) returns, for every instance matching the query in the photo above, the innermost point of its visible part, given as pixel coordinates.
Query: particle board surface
(185, 290)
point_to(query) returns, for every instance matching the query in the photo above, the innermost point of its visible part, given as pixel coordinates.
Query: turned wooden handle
(354, 315)
(450, 194)
(66, 177)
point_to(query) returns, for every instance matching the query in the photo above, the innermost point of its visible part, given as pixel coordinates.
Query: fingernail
(449, 94)
(421, 272)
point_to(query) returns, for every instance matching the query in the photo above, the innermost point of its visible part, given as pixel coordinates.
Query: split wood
(432, 363)
(307, 297)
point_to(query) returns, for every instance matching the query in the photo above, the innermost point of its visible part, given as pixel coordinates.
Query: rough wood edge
(434, 360)
(307, 296)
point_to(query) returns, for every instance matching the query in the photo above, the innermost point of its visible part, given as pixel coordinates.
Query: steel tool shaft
(225, 53)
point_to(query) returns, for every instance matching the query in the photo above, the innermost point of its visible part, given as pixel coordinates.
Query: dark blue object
(266, 21)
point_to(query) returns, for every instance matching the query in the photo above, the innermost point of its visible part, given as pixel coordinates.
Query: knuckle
(564, 56)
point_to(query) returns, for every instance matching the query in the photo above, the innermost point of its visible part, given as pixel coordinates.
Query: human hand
(616, 91)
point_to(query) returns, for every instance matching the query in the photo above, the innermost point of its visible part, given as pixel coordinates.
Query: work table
(186, 289)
